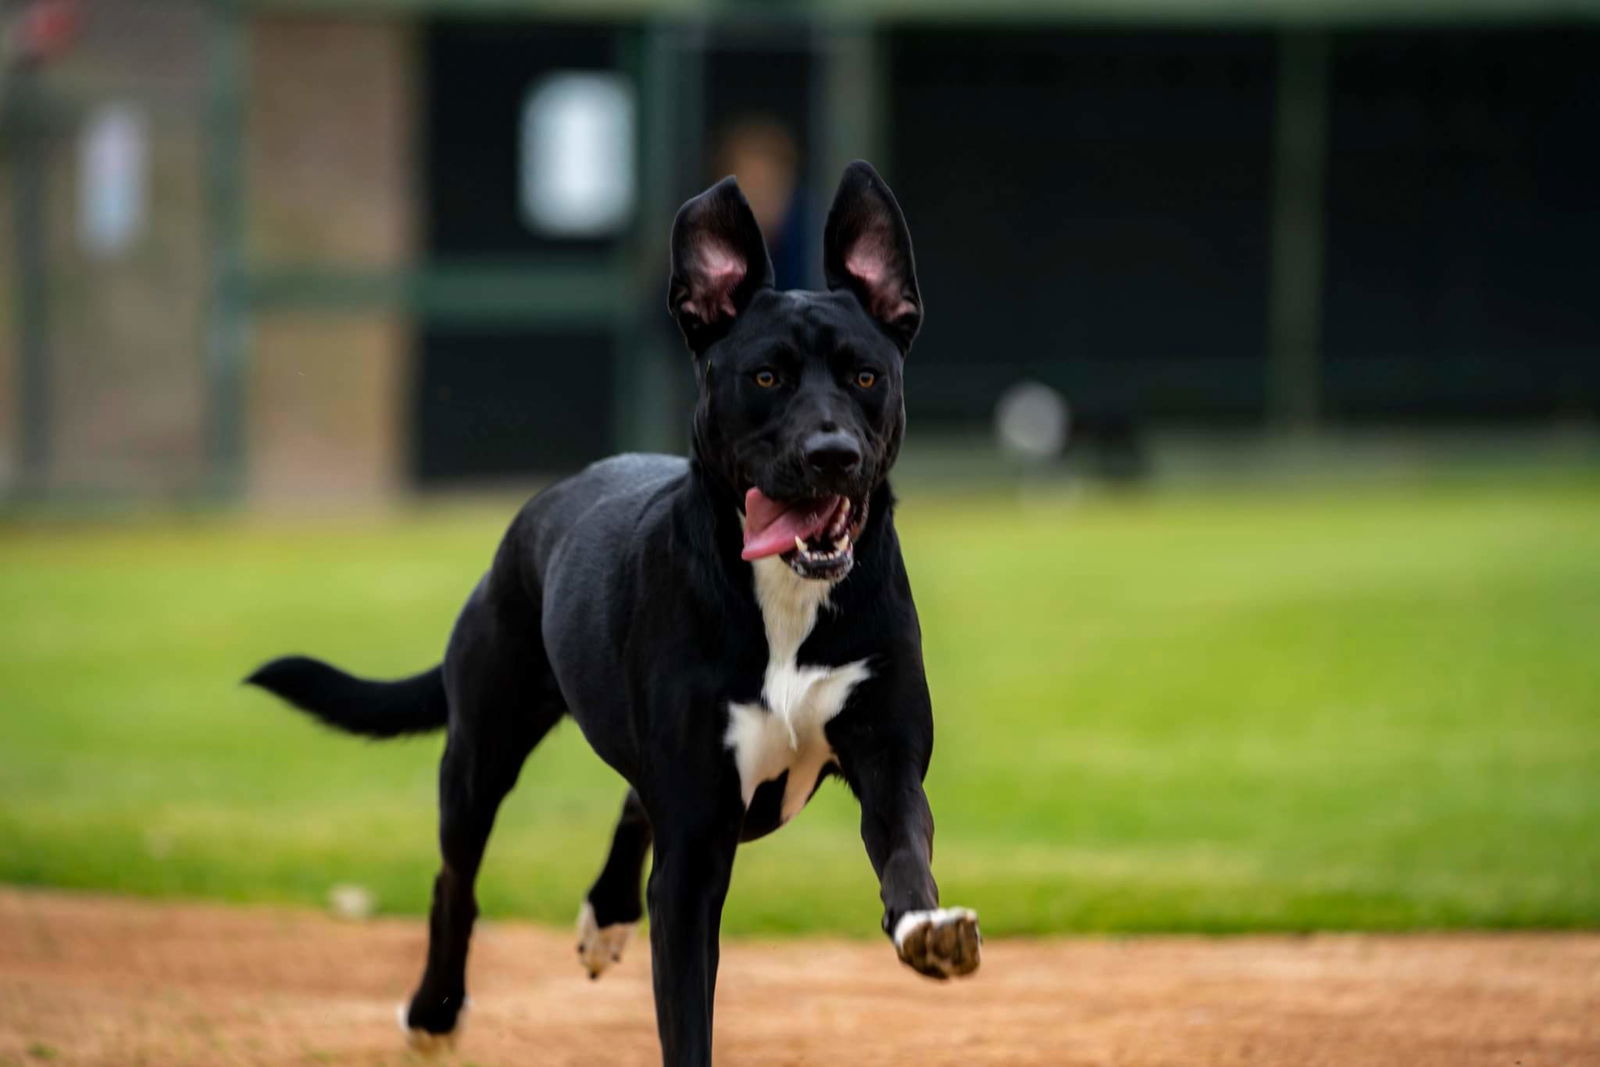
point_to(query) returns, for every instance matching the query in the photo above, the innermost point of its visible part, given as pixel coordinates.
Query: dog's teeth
(799, 543)
(841, 544)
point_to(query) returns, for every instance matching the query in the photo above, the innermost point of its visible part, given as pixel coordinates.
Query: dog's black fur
(619, 596)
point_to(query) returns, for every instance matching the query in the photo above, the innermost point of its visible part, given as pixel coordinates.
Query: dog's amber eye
(866, 379)
(766, 379)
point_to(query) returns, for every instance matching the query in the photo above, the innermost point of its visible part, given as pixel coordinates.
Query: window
(576, 155)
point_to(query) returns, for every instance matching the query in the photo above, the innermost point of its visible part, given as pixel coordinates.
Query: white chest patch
(784, 731)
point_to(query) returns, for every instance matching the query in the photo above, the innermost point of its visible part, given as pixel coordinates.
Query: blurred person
(763, 153)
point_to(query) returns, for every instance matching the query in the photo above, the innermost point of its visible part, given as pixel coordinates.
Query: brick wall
(331, 182)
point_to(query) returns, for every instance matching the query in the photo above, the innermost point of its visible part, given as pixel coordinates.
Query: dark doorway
(502, 395)
(1090, 209)
(1462, 225)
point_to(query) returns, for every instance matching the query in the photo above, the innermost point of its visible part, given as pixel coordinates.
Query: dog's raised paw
(600, 946)
(426, 1041)
(943, 943)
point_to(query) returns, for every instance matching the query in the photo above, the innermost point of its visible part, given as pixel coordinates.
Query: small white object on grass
(1031, 421)
(351, 902)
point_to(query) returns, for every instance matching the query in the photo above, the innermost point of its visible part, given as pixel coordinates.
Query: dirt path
(121, 983)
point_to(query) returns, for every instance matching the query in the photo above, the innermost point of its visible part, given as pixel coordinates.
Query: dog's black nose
(835, 452)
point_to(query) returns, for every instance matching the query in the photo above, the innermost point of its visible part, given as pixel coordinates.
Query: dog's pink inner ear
(715, 274)
(872, 264)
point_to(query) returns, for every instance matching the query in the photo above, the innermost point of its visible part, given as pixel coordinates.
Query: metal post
(652, 370)
(851, 100)
(1300, 148)
(640, 389)
(29, 141)
(846, 104)
(225, 331)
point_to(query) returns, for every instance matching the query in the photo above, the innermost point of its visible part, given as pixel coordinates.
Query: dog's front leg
(897, 828)
(884, 758)
(694, 848)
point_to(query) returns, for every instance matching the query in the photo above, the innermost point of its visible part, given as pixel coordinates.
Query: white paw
(426, 1041)
(600, 946)
(944, 943)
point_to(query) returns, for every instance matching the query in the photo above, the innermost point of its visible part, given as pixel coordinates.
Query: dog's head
(800, 407)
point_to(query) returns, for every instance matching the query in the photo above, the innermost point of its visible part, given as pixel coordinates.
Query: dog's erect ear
(866, 248)
(719, 262)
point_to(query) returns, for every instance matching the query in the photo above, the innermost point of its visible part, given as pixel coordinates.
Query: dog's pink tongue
(770, 527)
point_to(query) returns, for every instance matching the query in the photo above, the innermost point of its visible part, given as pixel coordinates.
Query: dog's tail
(372, 709)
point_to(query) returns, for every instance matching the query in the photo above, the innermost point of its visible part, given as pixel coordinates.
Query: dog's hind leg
(612, 907)
(503, 700)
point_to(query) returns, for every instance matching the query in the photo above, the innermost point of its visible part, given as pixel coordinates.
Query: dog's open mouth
(815, 537)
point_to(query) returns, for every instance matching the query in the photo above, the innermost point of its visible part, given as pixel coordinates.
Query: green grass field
(1373, 708)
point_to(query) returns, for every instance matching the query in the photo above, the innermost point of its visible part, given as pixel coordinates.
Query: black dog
(726, 630)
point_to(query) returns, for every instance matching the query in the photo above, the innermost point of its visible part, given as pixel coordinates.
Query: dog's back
(600, 507)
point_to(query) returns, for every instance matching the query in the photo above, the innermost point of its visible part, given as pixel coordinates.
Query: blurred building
(348, 247)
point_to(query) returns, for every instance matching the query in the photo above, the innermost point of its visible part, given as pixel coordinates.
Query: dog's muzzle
(816, 537)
